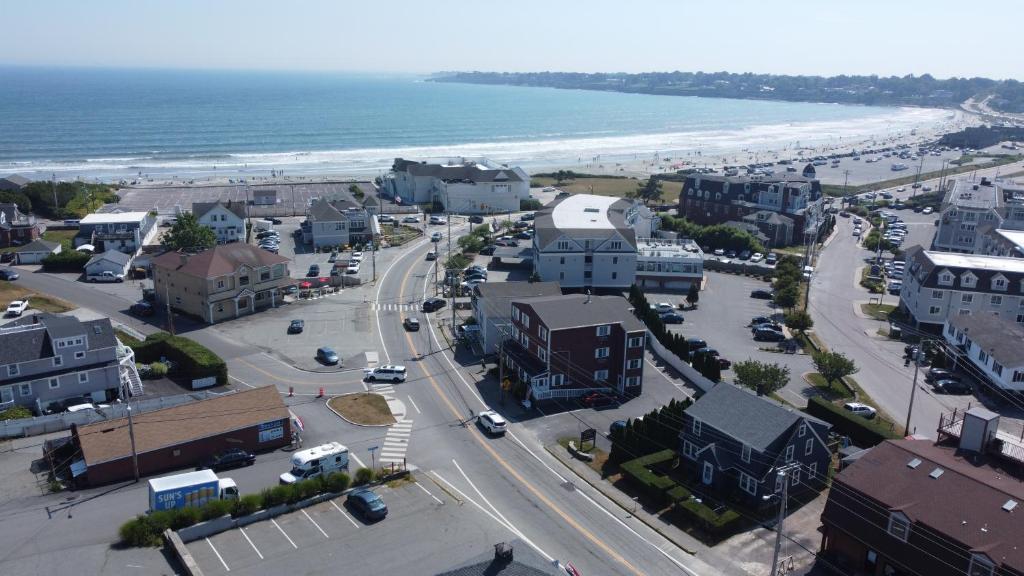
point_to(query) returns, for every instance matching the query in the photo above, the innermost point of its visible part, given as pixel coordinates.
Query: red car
(598, 400)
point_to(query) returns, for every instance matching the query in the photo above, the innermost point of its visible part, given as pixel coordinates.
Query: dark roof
(574, 310)
(220, 260)
(10, 210)
(547, 232)
(462, 172)
(201, 208)
(109, 440)
(999, 337)
(497, 296)
(965, 502)
(754, 420)
(322, 211)
(39, 245)
(527, 562)
(115, 256)
(33, 341)
(769, 217)
(17, 179)
(927, 267)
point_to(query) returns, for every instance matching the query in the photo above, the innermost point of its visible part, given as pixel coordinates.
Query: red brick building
(16, 228)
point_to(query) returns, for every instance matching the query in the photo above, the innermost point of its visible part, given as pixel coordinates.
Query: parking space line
(356, 458)
(310, 518)
(420, 486)
(247, 539)
(347, 517)
(413, 402)
(285, 534)
(219, 557)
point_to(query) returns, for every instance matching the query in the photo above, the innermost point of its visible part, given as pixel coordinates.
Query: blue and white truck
(191, 489)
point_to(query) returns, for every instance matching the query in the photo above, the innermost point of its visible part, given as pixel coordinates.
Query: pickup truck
(191, 489)
(105, 276)
(16, 308)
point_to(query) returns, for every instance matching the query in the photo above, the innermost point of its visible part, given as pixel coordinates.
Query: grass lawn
(877, 311)
(600, 456)
(836, 390)
(363, 408)
(610, 186)
(10, 291)
(63, 236)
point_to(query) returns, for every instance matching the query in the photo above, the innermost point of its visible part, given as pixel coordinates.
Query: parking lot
(863, 172)
(722, 318)
(327, 537)
(292, 197)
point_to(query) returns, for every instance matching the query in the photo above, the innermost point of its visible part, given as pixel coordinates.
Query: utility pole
(167, 297)
(916, 359)
(53, 188)
(784, 498)
(131, 436)
(501, 366)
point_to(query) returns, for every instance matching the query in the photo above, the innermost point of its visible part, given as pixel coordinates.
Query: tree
(799, 320)
(833, 365)
(762, 377)
(693, 295)
(649, 190)
(12, 197)
(471, 243)
(787, 296)
(188, 234)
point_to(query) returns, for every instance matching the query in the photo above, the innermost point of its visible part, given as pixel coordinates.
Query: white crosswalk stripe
(385, 390)
(396, 442)
(393, 307)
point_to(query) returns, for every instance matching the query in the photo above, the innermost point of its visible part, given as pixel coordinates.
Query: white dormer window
(12, 370)
(899, 526)
(616, 245)
(946, 278)
(999, 283)
(563, 244)
(968, 280)
(980, 566)
(604, 330)
(803, 430)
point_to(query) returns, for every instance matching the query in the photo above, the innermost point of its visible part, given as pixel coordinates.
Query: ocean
(118, 124)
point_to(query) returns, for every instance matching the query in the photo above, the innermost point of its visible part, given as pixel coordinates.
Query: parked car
(768, 335)
(8, 274)
(327, 356)
(233, 458)
(745, 255)
(860, 409)
(757, 257)
(524, 235)
(353, 268)
(411, 324)
(760, 320)
(935, 374)
(770, 325)
(411, 220)
(16, 308)
(385, 218)
(598, 400)
(432, 304)
(492, 422)
(762, 294)
(927, 210)
(672, 318)
(771, 258)
(438, 220)
(476, 219)
(142, 309)
(296, 326)
(662, 307)
(314, 271)
(527, 217)
(488, 250)
(953, 386)
(367, 504)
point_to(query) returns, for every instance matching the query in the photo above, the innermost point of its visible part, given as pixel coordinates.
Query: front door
(709, 473)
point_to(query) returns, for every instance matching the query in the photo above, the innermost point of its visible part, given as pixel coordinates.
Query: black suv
(234, 458)
(476, 219)
(432, 304)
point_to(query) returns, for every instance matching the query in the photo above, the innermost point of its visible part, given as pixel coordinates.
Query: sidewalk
(723, 563)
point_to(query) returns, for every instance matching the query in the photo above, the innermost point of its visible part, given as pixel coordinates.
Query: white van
(386, 372)
(318, 461)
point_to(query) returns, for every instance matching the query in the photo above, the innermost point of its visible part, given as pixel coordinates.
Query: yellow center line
(508, 468)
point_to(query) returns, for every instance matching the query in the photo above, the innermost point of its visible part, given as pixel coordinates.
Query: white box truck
(318, 461)
(191, 489)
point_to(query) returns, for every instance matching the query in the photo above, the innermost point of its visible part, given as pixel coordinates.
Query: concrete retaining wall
(691, 375)
(178, 549)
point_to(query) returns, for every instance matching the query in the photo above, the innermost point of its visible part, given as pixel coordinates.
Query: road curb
(339, 415)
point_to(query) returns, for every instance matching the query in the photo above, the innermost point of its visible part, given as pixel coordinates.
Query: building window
(616, 245)
(803, 430)
(601, 352)
(689, 450)
(615, 275)
(633, 381)
(6, 394)
(997, 368)
(220, 284)
(968, 280)
(999, 283)
(982, 356)
(526, 321)
(980, 566)
(745, 453)
(264, 275)
(748, 484)
(966, 298)
(557, 379)
(636, 341)
(600, 375)
(794, 478)
(515, 313)
(604, 330)
(1018, 377)
(243, 280)
(808, 446)
(778, 483)
(58, 360)
(83, 377)
(996, 300)
(937, 294)
(634, 364)
(899, 526)
(79, 355)
(789, 453)
(25, 389)
(812, 470)
(946, 278)
(12, 370)
(561, 260)
(964, 312)
(54, 383)
(543, 333)
(177, 299)
(696, 427)
(542, 354)
(933, 310)
(563, 245)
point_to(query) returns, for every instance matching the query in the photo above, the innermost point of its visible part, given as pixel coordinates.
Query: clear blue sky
(827, 37)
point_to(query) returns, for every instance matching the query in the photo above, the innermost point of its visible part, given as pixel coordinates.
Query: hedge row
(147, 529)
(655, 485)
(862, 432)
(66, 261)
(192, 359)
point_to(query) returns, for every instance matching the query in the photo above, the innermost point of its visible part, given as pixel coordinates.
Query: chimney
(503, 552)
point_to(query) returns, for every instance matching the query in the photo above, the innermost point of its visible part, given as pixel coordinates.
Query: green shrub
(276, 496)
(862, 432)
(140, 532)
(215, 509)
(305, 489)
(655, 485)
(246, 505)
(158, 369)
(678, 494)
(15, 413)
(184, 517)
(530, 204)
(66, 261)
(707, 519)
(193, 360)
(363, 476)
(337, 482)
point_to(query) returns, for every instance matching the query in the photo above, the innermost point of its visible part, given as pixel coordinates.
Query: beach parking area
(290, 198)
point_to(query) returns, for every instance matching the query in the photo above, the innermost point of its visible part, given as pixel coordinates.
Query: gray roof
(322, 211)
(497, 296)
(527, 562)
(999, 337)
(547, 232)
(769, 217)
(462, 172)
(39, 245)
(573, 311)
(115, 256)
(16, 179)
(966, 193)
(755, 421)
(201, 208)
(34, 343)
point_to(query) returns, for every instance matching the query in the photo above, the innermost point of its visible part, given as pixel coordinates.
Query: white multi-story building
(973, 209)
(995, 346)
(226, 220)
(668, 264)
(587, 241)
(1007, 243)
(461, 185)
(940, 285)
